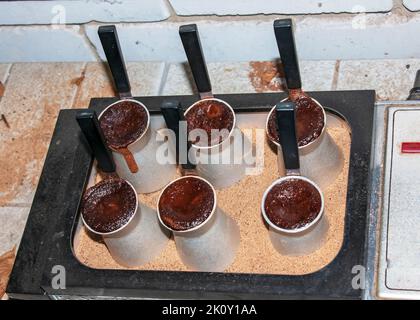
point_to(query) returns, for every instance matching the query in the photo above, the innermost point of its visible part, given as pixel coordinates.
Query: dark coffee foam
(210, 115)
(186, 203)
(123, 123)
(108, 205)
(292, 204)
(309, 122)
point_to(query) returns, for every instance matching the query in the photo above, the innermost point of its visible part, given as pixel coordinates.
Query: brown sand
(255, 254)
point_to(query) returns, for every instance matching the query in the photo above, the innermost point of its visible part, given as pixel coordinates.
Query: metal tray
(48, 236)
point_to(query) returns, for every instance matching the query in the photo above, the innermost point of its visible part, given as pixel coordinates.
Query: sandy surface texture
(242, 202)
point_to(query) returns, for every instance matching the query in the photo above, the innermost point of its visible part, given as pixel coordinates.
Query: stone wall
(231, 30)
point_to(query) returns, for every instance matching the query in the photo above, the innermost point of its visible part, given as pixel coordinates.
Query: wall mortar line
(164, 78)
(334, 83)
(89, 44)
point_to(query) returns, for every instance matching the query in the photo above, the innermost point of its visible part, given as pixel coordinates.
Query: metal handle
(283, 30)
(111, 45)
(286, 124)
(415, 91)
(192, 46)
(89, 124)
(173, 115)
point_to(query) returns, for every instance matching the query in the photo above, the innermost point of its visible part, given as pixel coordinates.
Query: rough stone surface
(392, 79)
(96, 81)
(254, 76)
(12, 223)
(34, 95)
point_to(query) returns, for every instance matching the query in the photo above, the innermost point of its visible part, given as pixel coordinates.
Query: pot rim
(231, 130)
(201, 224)
(297, 230)
(306, 146)
(123, 226)
(138, 103)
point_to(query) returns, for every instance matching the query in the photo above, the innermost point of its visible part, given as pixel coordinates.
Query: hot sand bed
(242, 203)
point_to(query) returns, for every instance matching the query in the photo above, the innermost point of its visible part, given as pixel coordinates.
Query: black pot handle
(173, 115)
(286, 124)
(89, 124)
(192, 46)
(111, 45)
(283, 30)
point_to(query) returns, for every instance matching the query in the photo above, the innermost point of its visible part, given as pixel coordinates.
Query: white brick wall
(412, 5)
(246, 40)
(247, 7)
(44, 43)
(81, 11)
(323, 30)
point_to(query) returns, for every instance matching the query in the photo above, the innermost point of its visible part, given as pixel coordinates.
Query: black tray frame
(48, 235)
